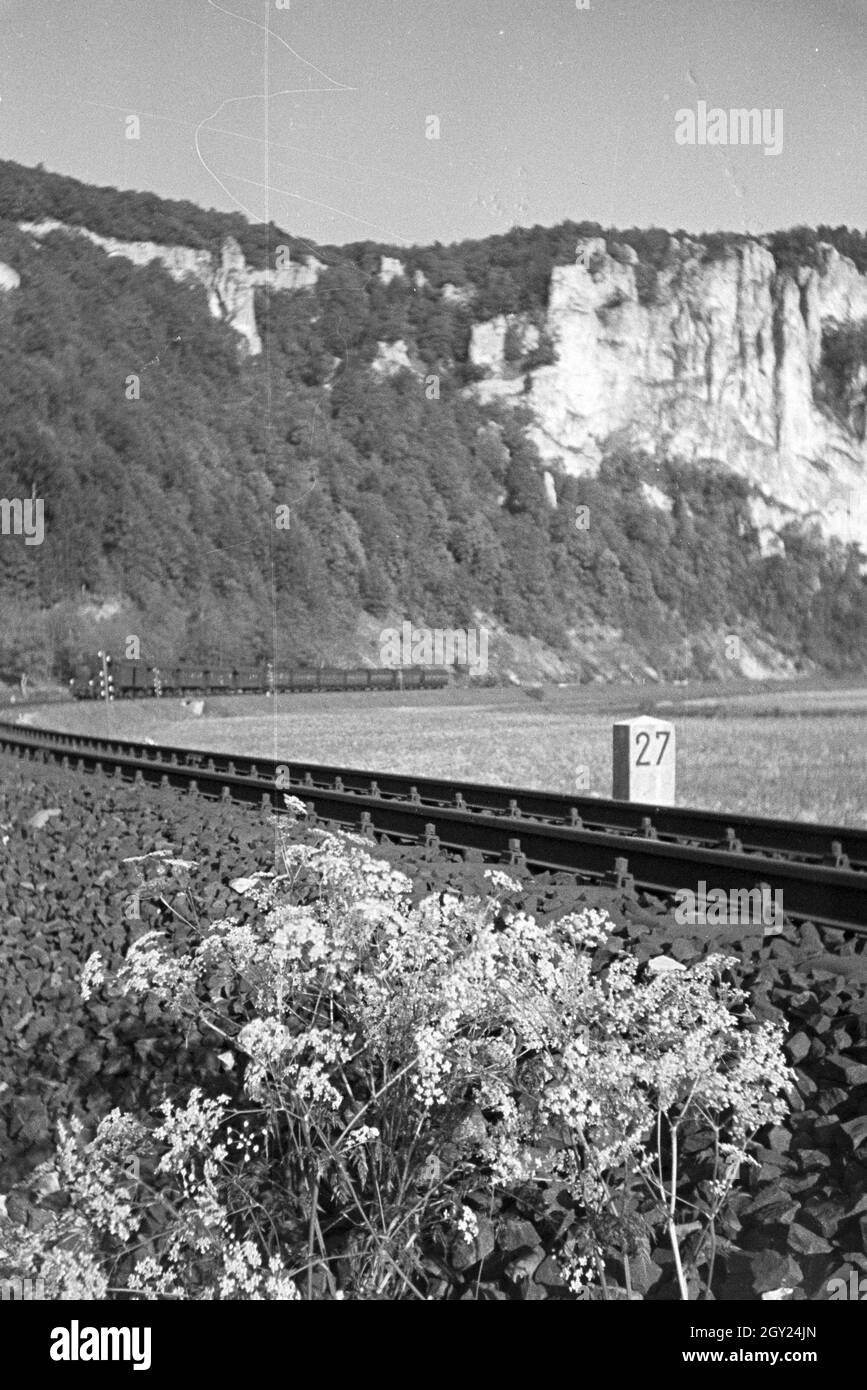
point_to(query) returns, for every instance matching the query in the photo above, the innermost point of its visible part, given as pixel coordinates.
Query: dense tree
(400, 502)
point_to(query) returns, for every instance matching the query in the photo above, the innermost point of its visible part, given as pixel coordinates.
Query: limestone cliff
(719, 367)
(720, 364)
(230, 283)
(9, 278)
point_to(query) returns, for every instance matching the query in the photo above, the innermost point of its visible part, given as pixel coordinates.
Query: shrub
(646, 284)
(844, 354)
(403, 1070)
(543, 355)
(512, 350)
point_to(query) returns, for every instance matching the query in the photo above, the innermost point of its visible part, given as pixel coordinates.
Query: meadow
(796, 754)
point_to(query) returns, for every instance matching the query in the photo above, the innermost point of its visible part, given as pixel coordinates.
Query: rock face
(719, 368)
(230, 283)
(389, 269)
(9, 278)
(392, 358)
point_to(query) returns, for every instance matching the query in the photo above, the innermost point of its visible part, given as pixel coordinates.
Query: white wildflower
(92, 975)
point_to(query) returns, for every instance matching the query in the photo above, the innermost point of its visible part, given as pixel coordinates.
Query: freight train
(136, 680)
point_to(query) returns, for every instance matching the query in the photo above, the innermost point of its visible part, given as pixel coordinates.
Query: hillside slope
(170, 379)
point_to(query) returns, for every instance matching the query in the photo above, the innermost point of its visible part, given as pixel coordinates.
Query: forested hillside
(405, 503)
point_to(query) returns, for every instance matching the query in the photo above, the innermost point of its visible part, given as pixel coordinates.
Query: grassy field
(776, 703)
(808, 763)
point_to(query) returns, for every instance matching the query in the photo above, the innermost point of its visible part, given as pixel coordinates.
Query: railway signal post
(106, 681)
(644, 761)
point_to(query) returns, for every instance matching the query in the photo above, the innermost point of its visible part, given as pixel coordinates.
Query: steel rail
(832, 846)
(831, 895)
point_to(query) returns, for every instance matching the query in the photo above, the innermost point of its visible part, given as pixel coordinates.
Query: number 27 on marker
(641, 760)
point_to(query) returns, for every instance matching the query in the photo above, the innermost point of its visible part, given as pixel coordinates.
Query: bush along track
(387, 1074)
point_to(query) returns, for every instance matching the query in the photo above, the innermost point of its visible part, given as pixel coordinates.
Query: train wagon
(130, 680)
(286, 680)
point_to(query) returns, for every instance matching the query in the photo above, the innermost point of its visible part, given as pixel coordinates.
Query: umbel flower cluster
(392, 1064)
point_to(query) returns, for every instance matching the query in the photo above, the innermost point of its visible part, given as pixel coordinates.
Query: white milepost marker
(644, 761)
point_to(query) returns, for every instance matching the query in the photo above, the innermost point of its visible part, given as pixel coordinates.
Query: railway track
(821, 870)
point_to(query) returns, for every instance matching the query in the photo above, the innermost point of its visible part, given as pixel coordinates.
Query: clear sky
(546, 111)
